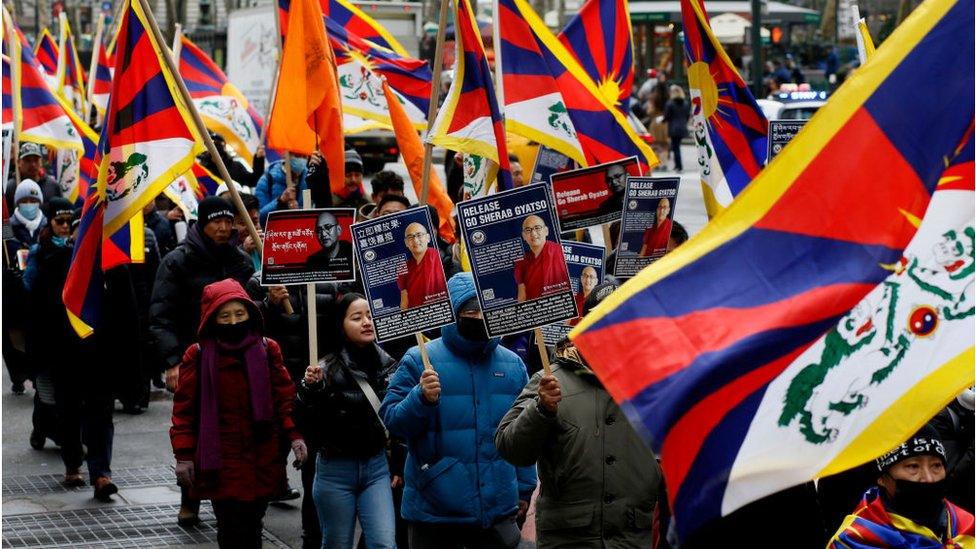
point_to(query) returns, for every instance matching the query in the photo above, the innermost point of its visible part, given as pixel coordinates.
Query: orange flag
(413, 156)
(307, 113)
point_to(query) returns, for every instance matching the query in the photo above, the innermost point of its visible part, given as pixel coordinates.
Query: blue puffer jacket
(270, 187)
(453, 473)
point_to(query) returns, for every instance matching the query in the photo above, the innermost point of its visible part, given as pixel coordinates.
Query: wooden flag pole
(311, 306)
(177, 43)
(607, 240)
(276, 72)
(93, 65)
(201, 127)
(435, 96)
(422, 345)
(11, 38)
(543, 352)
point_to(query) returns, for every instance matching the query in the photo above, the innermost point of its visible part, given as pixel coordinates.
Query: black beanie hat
(58, 206)
(212, 208)
(598, 294)
(926, 442)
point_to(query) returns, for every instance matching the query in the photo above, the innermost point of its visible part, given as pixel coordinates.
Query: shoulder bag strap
(374, 400)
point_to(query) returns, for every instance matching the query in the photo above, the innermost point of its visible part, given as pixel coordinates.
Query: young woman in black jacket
(352, 473)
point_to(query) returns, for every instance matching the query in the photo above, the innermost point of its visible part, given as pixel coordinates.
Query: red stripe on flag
(475, 106)
(680, 447)
(523, 39)
(853, 155)
(144, 65)
(167, 123)
(522, 87)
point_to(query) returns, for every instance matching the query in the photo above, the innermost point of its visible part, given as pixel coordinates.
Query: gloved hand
(300, 451)
(184, 474)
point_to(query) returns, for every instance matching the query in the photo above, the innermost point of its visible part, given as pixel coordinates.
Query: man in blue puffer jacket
(273, 193)
(459, 492)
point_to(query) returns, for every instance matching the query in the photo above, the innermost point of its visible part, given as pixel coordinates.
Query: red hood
(217, 294)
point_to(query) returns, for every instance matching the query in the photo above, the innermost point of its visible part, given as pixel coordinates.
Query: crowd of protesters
(454, 448)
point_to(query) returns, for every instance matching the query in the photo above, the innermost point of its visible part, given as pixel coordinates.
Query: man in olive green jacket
(600, 483)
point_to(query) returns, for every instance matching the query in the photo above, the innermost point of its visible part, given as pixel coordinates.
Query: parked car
(797, 105)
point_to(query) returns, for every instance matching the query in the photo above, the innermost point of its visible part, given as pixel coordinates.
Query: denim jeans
(347, 488)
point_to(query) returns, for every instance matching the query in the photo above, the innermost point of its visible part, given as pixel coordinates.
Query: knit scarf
(255, 356)
(31, 224)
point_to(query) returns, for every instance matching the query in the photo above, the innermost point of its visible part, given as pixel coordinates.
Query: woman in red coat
(232, 416)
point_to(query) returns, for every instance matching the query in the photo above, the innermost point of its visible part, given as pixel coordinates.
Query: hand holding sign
(549, 393)
(313, 375)
(430, 385)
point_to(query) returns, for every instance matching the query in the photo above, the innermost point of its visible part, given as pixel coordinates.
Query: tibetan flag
(39, 115)
(469, 120)
(410, 78)
(85, 286)
(147, 141)
(532, 58)
(102, 85)
(307, 112)
(761, 364)
(8, 96)
(412, 149)
(87, 168)
(186, 195)
(46, 51)
(600, 39)
(350, 18)
(203, 181)
(71, 75)
(149, 137)
(223, 107)
(357, 22)
(729, 127)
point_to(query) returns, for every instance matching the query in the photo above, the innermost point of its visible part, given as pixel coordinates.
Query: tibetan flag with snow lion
(223, 107)
(796, 336)
(470, 120)
(148, 140)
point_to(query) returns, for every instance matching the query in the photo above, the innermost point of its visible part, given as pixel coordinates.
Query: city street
(39, 512)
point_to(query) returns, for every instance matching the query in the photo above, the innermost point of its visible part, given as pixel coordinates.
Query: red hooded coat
(252, 465)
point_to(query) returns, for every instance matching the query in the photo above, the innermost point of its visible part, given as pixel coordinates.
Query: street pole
(756, 31)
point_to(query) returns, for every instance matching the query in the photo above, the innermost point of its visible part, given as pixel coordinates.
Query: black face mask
(231, 333)
(919, 501)
(472, 329)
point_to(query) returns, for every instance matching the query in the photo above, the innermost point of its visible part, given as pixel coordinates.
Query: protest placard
(586, 265)
(549, 162)
(402, 273)
(592, 196)
(781, 132)
(646, 223)
(306, 246)
(516, 258)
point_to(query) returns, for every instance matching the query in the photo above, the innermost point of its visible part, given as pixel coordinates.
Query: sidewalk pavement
(39, 512)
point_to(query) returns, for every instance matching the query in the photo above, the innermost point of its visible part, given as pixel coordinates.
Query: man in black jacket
(31, 164)
(209, 254)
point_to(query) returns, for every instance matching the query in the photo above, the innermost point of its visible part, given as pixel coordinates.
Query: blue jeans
(345, 488)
